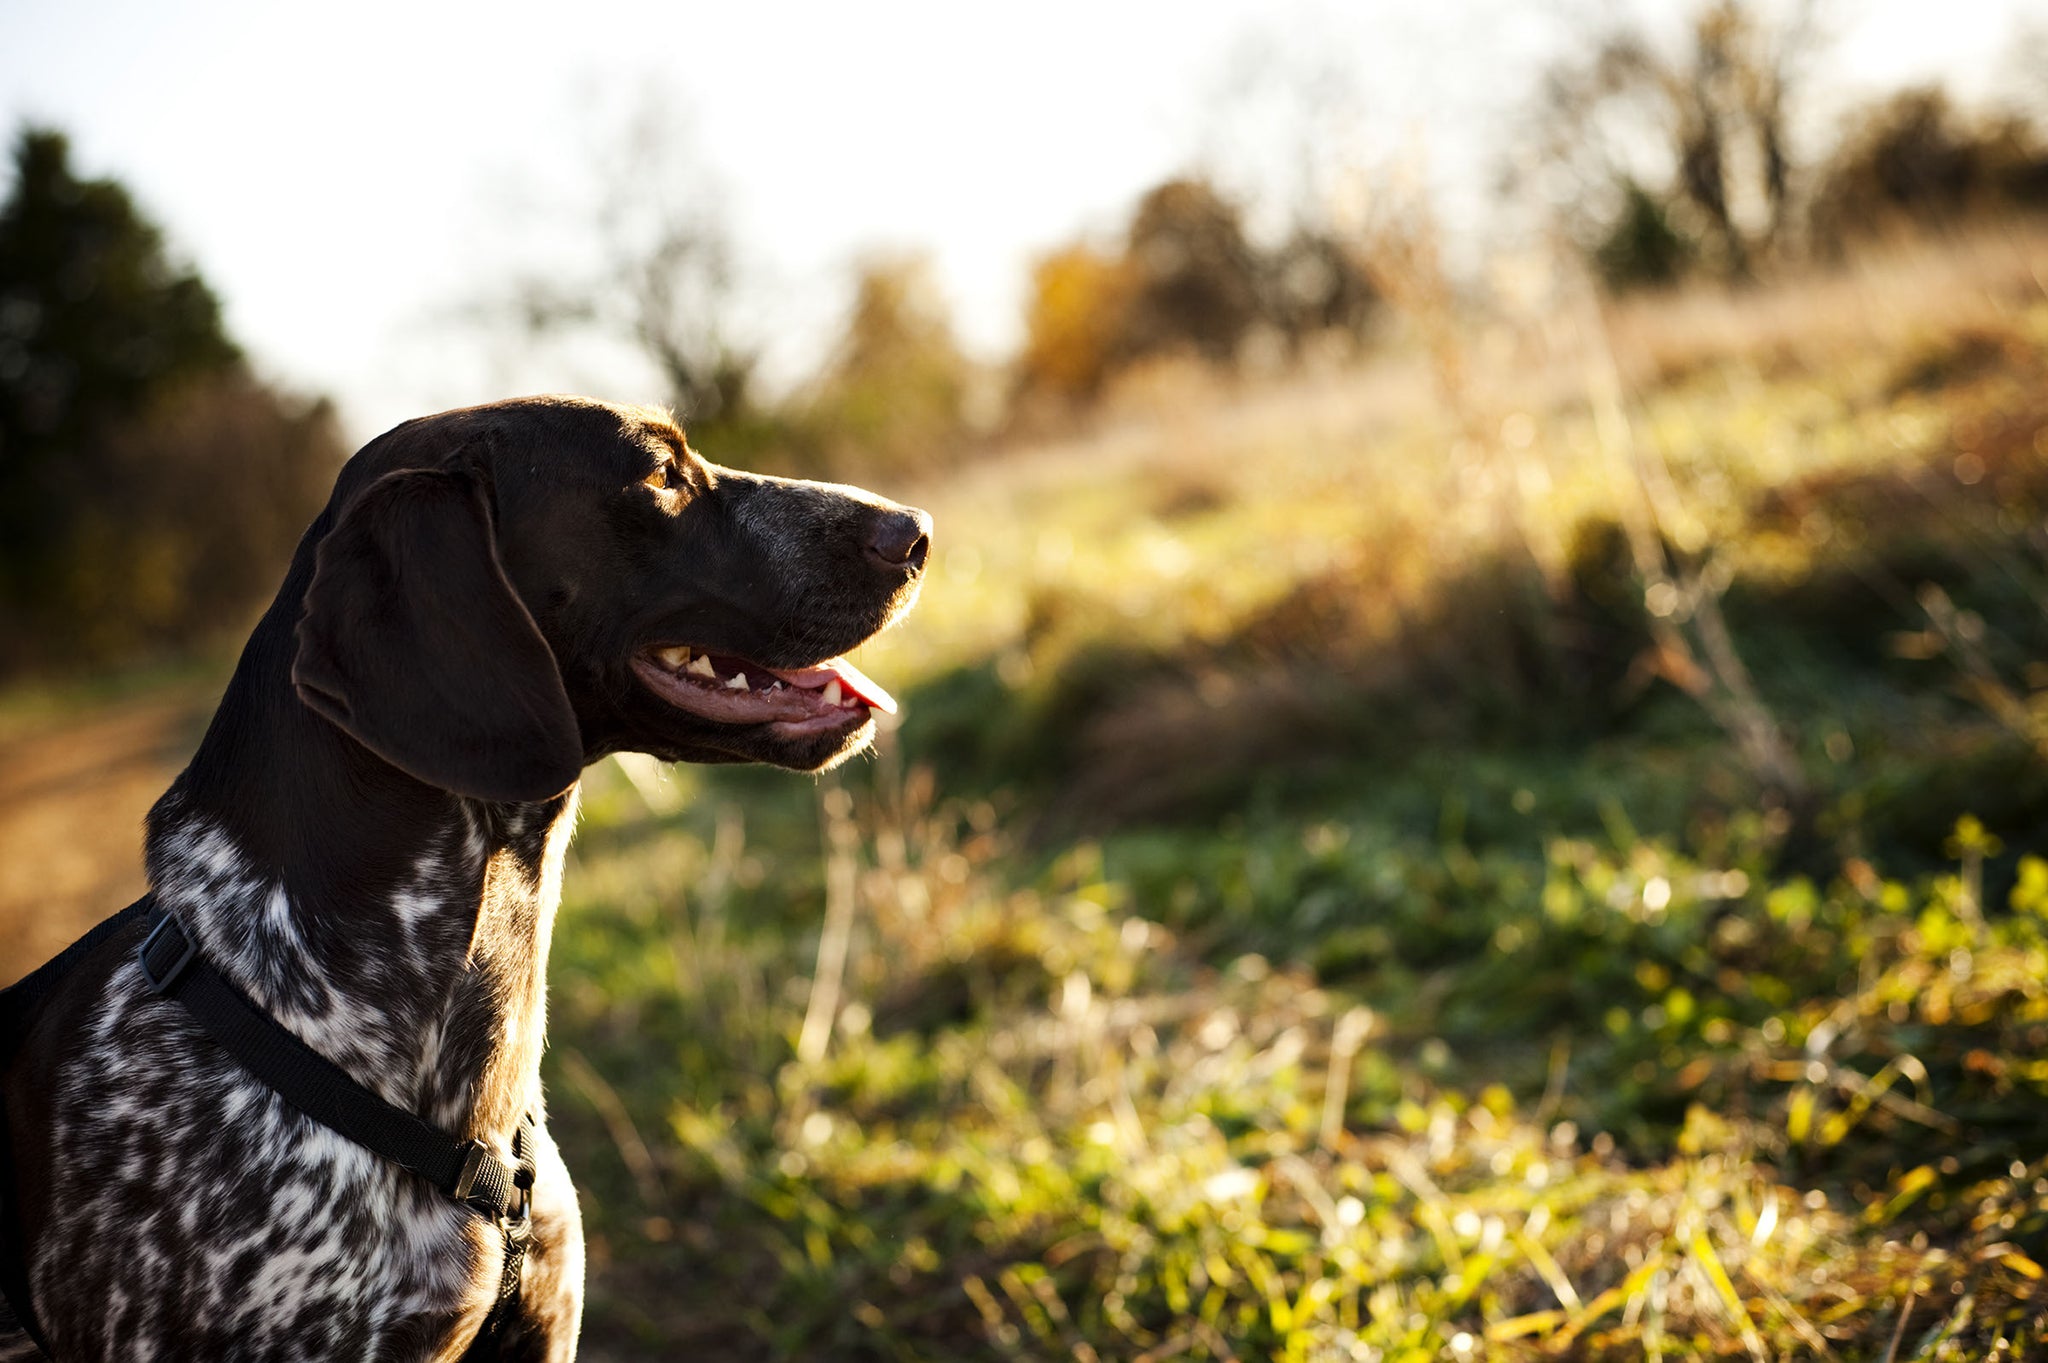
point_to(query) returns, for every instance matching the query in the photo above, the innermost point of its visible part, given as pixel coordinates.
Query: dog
(368, 845)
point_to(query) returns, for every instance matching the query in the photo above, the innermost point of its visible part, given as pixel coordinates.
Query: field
(1526, 845)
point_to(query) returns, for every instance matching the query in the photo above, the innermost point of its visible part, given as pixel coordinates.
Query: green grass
(1587, 1094)
(1304, 916)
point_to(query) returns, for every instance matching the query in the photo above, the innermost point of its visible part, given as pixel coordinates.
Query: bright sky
(347, 176)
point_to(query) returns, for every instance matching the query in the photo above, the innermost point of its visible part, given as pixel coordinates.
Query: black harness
(465, 1170)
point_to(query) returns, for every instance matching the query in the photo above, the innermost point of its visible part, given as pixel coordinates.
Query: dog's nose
(900, 538)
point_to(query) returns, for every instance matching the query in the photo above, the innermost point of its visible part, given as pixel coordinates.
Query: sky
(354, 179)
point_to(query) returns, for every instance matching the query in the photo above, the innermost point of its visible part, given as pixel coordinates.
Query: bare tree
(662, 274)
(1283, 126)
(1285, 139)
(1704, 129)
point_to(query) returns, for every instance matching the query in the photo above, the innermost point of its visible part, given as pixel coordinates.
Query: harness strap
(466, 1171)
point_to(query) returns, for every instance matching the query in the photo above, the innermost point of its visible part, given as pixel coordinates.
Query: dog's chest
(193, 1213)
(260, 1223)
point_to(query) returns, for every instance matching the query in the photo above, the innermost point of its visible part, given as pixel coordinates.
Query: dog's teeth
(775, 686)
(736, 682)
(700, 666)
(833, 695)
(674, 659)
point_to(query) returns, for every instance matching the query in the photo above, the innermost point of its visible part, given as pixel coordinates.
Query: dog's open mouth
(731, 690)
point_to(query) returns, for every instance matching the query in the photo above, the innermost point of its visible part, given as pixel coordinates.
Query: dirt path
(73, 793)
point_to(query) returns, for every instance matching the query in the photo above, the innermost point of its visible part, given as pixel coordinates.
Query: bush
(1642, 249)
(1196, 278)
(1071, 323)
(894, 396)
(1914, 159)
(210, 488)
(1187, 282)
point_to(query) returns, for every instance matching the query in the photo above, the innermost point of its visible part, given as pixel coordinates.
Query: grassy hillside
(1530, 846)
(1534, 851)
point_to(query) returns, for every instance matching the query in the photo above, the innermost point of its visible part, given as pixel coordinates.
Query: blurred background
(1472, 774)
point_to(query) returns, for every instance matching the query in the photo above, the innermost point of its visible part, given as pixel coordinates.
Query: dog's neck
(400, 930)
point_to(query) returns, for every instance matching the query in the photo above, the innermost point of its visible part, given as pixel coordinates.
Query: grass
(1317, 905)
(1076, 1118)
(1528, 848)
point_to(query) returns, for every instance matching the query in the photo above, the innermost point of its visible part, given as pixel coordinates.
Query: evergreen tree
(151, 487)
(96, 320)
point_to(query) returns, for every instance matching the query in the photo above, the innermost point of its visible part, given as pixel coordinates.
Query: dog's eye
(668, 478)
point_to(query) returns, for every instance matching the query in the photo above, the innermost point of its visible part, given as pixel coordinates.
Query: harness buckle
(161, 984)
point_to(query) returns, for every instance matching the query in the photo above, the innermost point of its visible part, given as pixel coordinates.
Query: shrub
(1642, 249)
(894, 395)
(1914, 159)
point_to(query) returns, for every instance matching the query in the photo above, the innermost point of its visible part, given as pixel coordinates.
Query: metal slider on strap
(476, 1157)
(167, 928)
(485, 1182)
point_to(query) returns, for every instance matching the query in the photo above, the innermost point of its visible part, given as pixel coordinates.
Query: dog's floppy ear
(413, 642)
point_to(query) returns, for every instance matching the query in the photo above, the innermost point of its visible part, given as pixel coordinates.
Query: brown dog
(368, 846)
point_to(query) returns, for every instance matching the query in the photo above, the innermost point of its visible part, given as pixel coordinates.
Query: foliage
(1642, 249)
(1187, 280)
(218, 482)
(894, 395)
(149, 486)
(1914, 159)
(1072, 314)
(1317, 286)
(1703, 131)
(98, 320)
(1133, 695)
(1716, 187)
(1195, 275)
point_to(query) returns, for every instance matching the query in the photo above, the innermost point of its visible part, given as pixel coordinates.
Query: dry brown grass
(1888, 296)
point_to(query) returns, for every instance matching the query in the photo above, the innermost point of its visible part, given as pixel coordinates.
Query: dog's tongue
(855, 682)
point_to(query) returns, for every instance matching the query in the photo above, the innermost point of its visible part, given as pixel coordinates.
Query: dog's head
(502, 594)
